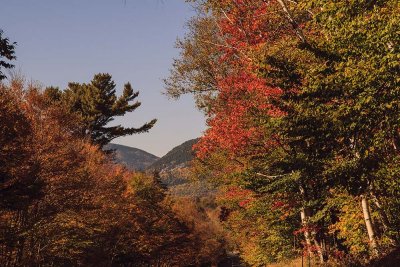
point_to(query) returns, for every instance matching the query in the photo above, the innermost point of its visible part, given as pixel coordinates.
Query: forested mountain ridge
(180, 155)
(138, 159)
(132, 158)
(173, 168)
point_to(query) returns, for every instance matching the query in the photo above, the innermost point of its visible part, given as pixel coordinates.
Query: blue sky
(133, 40)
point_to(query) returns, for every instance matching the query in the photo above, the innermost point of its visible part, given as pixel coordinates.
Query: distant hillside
(179, 156)
(132, 158)
(173, 168)
(175, 173)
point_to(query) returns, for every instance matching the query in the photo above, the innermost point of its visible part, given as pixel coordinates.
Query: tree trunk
(304, 222)
(368, 224)
(305, 215)
(384, 218)
(319, 251)
(310, 236)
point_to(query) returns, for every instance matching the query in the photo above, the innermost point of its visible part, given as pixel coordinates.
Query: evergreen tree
(6, 53)
(96, 104)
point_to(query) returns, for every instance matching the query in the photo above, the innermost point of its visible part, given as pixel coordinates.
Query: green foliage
(262, 231)
(349, 226)
(7, 53)
(97, 105)
(337, 64)
(195, 70)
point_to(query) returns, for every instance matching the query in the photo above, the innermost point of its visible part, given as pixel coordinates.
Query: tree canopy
(306, 111)
(96, 104)
(7, 53)
(64, 202)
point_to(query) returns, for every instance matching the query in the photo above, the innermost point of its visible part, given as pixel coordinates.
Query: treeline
(65, 203)
(302, 100)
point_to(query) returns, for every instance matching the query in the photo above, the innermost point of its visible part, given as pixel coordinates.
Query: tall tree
(97, 104)
(7, 53)
(357, 93)
(310, 98)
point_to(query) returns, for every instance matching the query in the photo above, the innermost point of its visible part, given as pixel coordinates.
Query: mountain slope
(132, 158)
(179, 156)
(174, 170)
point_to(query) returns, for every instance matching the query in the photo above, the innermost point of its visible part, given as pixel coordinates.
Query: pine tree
(97, 105)
(7, 52)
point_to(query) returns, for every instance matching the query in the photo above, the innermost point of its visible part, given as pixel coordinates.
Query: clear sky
(133, 40)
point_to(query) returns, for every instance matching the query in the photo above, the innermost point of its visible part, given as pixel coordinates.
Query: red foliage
(244, 27)
(233, 123)
(307, 228)
(240, 196)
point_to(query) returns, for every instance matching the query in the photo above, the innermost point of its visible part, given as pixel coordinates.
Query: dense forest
(65, 203)
(299, 164)
(302, 102)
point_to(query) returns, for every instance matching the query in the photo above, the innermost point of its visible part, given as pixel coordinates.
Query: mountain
(178, 157)
(132, 158)
(175, 172)
(173, 168)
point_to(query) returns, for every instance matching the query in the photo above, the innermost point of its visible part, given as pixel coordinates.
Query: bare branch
(292, 21)
(273, 176)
